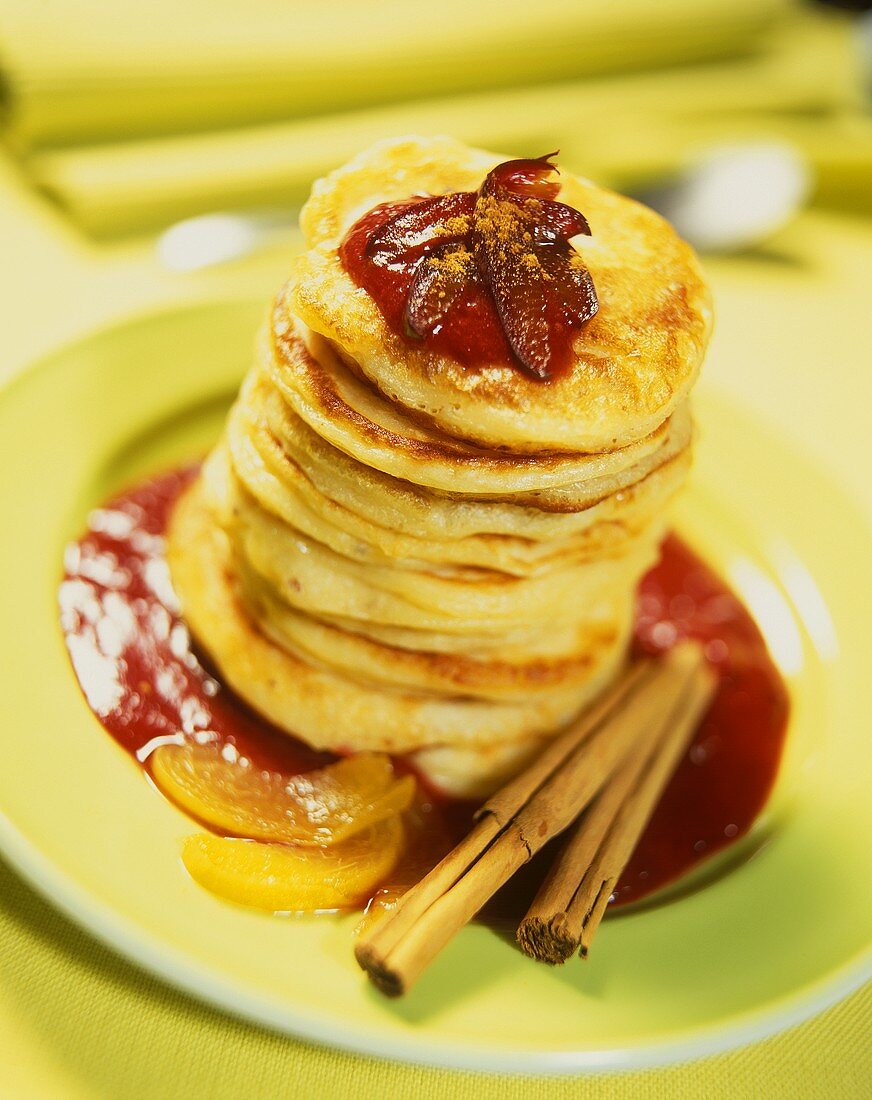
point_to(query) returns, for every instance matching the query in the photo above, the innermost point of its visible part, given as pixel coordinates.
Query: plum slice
(539, 284)
(436, 219)
(512, 242)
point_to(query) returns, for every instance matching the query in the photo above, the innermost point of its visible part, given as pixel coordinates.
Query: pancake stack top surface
(391, 548)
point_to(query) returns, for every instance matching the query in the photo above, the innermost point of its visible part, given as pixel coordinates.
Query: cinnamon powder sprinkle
(509, 244)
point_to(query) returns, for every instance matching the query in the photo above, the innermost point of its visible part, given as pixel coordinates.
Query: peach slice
(317, 808)
(284, 878)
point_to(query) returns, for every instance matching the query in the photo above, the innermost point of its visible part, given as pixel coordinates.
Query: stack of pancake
(391, 550)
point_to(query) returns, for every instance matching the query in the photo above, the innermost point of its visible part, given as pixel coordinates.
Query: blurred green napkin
(87, 70)
(780, 72)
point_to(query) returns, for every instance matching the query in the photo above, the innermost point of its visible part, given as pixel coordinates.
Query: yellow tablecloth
(78, 1022)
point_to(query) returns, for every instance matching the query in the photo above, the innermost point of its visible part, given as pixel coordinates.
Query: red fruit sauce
(141, 677)
(471, 333)
(485, 277)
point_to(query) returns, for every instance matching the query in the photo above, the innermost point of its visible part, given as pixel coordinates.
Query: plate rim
(179, 972)
(176, 970)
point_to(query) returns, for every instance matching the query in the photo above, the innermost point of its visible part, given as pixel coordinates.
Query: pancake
(359, 420)
(252, 488)
(357, 655)
(280, 442)
(632, 364)
(330, 710)
(308, 575)
(390, 551)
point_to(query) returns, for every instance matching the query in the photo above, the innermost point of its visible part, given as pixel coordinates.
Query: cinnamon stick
(567, 911)
(635, 814)
(542, 934)
(490, 819)
(516, 822)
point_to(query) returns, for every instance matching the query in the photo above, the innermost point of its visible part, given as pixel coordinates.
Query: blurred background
(161, 151)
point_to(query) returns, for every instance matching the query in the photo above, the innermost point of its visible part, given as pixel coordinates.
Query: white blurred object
(735, 196)
(211, 239)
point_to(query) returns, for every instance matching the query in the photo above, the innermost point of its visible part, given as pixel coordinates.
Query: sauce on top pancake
(631, 363)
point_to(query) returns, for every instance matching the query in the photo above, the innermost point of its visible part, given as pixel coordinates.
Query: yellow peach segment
(281, 878)
(323, 807)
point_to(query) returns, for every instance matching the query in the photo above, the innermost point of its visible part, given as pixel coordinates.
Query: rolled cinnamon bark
(524, 816)
(570, 904)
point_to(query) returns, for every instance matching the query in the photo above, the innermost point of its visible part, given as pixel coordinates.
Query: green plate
(776, 929)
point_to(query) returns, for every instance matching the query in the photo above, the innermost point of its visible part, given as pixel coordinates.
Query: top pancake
(632, 364)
